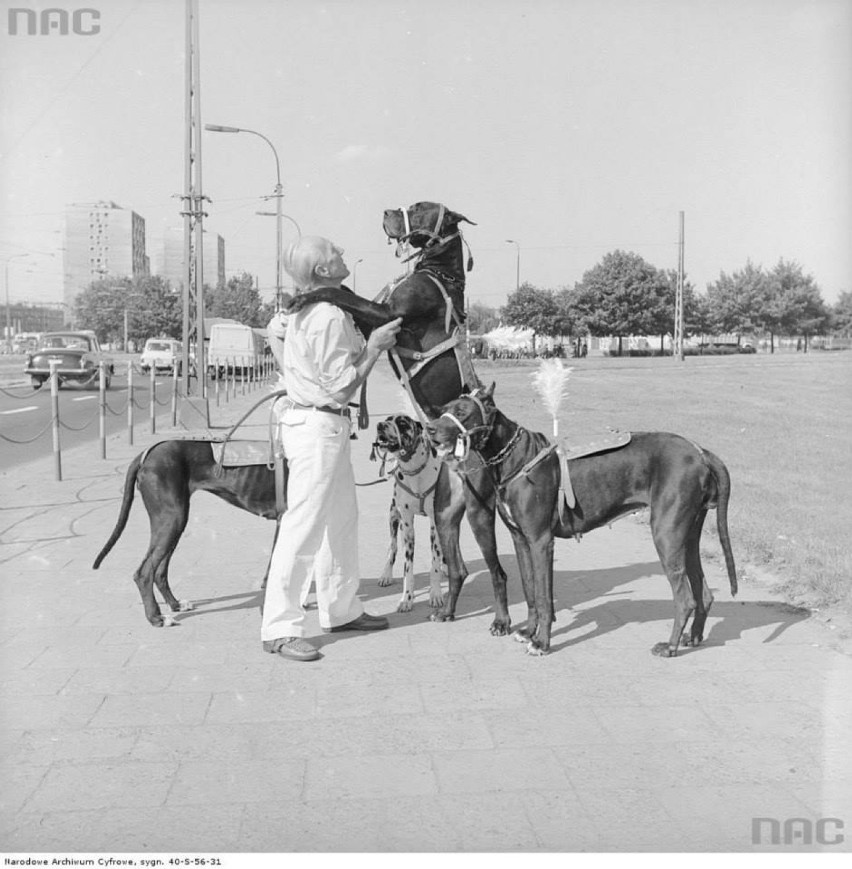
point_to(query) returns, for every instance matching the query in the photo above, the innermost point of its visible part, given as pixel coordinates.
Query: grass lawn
(780, 423)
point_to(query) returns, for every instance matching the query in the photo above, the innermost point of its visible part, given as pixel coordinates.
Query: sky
(572, 127)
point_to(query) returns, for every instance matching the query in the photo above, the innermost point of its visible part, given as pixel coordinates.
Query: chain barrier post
(54, 412)
(217, 381)
(102, 406)
(175, 382)
(130, 403)
(152, 412)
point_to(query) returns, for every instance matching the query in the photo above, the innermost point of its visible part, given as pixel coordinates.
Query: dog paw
(441, 616)
(184, 606)
(385, 580)
(436, 601)
(521, 637)
(405, 605)
(663, 650)
(534, 649)
(168, 621)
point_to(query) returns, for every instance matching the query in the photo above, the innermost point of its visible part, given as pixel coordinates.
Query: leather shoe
(364, 622)
(292, 648)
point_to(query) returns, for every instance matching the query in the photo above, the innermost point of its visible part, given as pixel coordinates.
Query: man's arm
(380, 340)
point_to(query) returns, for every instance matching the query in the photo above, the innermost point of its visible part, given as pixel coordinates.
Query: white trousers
(318, 534)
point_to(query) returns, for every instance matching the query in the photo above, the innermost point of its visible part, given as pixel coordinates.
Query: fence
(56, 425)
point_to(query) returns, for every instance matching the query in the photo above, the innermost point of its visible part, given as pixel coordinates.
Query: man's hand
(384, 337)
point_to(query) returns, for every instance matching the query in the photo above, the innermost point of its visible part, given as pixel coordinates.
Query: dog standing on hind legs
(416, 478)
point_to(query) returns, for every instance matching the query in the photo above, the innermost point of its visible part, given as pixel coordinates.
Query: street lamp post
(278, 195)
(8, 335)
(518, 264)
(355, 274)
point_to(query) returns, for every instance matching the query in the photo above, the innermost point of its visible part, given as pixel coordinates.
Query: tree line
(624, 295)
(154, 309)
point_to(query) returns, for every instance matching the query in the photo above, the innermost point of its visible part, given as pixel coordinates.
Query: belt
(325, 408)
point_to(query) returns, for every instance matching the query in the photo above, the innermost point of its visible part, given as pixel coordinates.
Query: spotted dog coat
(415, 474)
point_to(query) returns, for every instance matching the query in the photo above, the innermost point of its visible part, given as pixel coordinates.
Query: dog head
(463, 423)
(399, 435)
(421, 223)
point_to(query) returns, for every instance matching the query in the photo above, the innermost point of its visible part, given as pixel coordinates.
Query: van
(234, 348)
(161, 354)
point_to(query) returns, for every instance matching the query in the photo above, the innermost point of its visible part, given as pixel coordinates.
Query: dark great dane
(678, 480)
(167, 475)
(430, 357)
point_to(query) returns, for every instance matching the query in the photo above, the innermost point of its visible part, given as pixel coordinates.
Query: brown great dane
(167, 474)
(678, 480)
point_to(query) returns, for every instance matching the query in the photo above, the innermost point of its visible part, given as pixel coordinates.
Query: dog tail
(126, 504)
(723, 495)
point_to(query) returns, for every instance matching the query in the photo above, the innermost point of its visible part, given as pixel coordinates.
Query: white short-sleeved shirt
(321, 349)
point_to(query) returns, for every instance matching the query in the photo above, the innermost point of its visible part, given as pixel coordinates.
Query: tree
(531, 308)
(481, 318)
(796, 302)
(740, 302)
(625, 295)
(238, 300)
(841, 315)
(156, 310)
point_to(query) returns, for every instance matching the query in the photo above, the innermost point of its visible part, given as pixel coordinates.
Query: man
(324, 360)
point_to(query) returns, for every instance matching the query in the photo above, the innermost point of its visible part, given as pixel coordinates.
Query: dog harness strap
(421, 496)
(566, 490)
(448, 302)
(406, 382)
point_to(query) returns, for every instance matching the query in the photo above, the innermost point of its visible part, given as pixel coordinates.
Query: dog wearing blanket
(415, 470)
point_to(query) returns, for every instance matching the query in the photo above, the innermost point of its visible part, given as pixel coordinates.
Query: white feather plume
(550, 382)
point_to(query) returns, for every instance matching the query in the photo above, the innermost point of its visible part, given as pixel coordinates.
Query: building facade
(169, 263)
(102, 241)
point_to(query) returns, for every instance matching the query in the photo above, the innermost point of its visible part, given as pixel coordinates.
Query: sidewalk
(120, 737)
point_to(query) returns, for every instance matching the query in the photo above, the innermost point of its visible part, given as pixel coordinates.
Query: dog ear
(489, 393)
(455, 218)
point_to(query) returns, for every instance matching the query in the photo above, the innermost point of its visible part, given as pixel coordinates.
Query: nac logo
(29, 22)
(796, 831)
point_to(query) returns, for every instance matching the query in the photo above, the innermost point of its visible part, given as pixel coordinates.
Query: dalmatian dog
(410, 459)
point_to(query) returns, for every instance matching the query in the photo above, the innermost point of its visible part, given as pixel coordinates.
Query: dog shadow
(728, 620)
(578, 623)
(575, 624)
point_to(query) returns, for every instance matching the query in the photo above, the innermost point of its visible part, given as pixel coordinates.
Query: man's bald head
(313, 261)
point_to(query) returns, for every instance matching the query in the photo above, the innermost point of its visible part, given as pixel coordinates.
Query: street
(25, 415)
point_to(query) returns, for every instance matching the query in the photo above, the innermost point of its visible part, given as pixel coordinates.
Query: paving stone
(102, 785)
(498, 770)
(249, 781)
(369, 776)
(42, 747)
(142, 709)
(46, 712)
(182, 829)
(256, 706)
(118, 680)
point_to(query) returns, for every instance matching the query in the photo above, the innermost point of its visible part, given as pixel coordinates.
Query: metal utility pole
(517, 263)
(193, 215)
(677, 349)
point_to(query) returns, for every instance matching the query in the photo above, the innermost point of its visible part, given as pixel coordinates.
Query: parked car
(78, 353)
(235, 347)
(162, 354)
